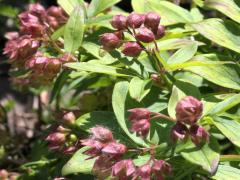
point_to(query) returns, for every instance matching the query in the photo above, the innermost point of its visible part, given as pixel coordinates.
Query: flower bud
(37, 64)
(135, 20)
(119, 22)
(11, 35)
(131, 49)
(109, 41)
(56, 138)
(161, 167)
(198, 134)
(95, 147)
(145, 35)
(152, 20)
(21, 48)
(101, 134)
(144, 172)
(141, 127)
(37, 10)
(56, 17)
(53, 66)
(189, 110)
(59, 178)
(3, 174)
(179, 132)
(115, 149)
(70, 150)
(160, 32)
(139, 113)
(102, 167)
(68, 118)
(123, 169)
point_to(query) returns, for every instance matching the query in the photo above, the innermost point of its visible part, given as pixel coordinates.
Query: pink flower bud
(3, 174)
(198, 134)
(189, 110)
(109, 41)
(56, 138)
(152, 20)
(37, 10)
(139, 113)
(70, 150)
(53, 66)
(21, 48)
(179, 132)
(135, 20)
(119, 22)
(56, 16)
(115, 149)
(123, 169)
(141, 127)
(69, 118)
(59, 178)
(12, 35)
(37, 63)
(160, 32)
(131, 49)
(145, 35)
(144, 172)
(161, 168)
(101, 134)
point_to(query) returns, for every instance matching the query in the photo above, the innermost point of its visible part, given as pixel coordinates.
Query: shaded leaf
(226, 172)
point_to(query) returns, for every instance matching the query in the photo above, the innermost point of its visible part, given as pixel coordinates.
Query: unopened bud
(139, 113)
(115, 149)
(70, 150)
(131, 49)
(144, 172)
(101, 134)
(145, 35)
(198, 134)
(123, 169)
(109, 41)
(160, 32)
(189, 110)
(37, 10)
(141, 127)
(135, 20)
(119, 22)
(69, 118)
(53, 66)
(152, 20)
(179, 132)
(56, 138)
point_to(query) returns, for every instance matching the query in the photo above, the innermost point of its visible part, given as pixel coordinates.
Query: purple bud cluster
(145, 28)
(61, 138)
(109, 157)
(36, 25)
(188, 112)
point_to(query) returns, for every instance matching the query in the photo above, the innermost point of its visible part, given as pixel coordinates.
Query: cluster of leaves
(199, 57)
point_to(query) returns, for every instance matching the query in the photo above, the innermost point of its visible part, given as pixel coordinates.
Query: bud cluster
(188, 112)
(61, 138)
(145, 28)
(36, 25)
(109, 160)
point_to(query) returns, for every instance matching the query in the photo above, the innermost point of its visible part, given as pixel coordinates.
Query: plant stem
(163, 116)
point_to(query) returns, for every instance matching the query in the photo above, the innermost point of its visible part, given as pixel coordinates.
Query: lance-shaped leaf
(226, 172)
(69, 5)
(74, 30)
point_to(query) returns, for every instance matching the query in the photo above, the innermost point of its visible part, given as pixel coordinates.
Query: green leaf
(58, 33)
(229, 128)
(139, 88)
(59, 83)
(206, 156)
(220, 32)
(74, 30)
(69, 5)
(184, 54)
(119, 97)
(78, 163)
(226, 172)
(97, 6)
(175, 43)
(98, 68)
(139, 5)
(176, 95)
(170, 13)
(222, 75)
(225, 105)
(8, 11)
(227, 7)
